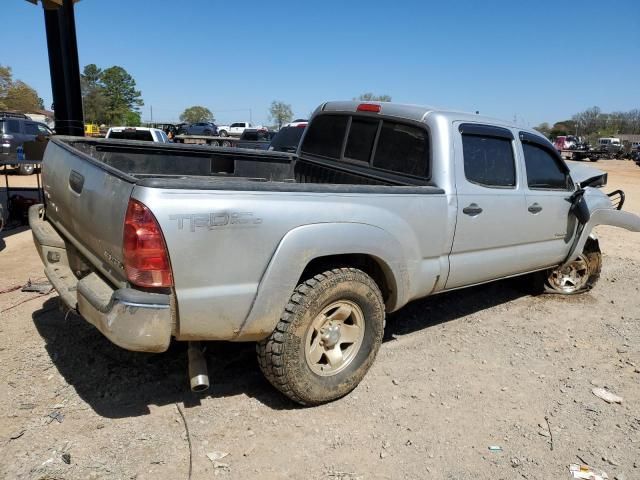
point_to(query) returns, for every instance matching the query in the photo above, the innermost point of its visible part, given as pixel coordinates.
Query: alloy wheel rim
(334, 338)
(572, 277)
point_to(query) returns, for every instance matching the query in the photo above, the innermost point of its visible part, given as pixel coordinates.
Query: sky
(528, 61)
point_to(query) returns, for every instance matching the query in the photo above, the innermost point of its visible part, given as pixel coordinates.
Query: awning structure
(64, 65)
(50, 3)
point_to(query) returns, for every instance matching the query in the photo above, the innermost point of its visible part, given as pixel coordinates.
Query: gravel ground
(458, 372)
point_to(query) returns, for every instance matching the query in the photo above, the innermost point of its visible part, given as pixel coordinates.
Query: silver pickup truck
(303, 254)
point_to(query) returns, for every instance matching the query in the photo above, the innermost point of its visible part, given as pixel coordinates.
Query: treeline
(109, 96)
(594, 123)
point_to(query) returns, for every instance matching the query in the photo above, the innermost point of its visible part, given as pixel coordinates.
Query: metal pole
(64, 67)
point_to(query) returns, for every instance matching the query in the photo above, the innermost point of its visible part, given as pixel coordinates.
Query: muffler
(198, 374)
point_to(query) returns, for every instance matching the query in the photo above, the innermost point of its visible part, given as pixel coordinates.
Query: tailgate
(86, 201)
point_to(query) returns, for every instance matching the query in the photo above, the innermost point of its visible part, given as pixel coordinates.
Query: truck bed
(189, 166)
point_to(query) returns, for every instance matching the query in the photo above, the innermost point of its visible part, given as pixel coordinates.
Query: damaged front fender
(598, 210)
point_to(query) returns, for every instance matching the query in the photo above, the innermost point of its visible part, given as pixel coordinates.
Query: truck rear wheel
(26, 169)
(327, 337)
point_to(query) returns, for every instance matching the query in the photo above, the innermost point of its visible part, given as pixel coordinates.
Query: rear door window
(362, 134)
(326, 136)
(31, 128)
(403, 148)
(12, 126)
(543, 169)
(489, 161)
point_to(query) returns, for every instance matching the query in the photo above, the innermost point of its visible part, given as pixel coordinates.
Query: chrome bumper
(132, 319)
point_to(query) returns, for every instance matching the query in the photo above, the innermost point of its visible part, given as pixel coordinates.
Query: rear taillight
(146, 258)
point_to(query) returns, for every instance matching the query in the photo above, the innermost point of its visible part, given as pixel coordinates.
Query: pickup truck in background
(305, 254)
(236, 129)
(145, 134)
(256, 139)
(288, 138)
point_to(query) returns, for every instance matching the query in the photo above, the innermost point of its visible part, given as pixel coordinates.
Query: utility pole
(151, 113)
(64, 66)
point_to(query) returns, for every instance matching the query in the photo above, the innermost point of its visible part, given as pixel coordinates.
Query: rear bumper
(132, 319)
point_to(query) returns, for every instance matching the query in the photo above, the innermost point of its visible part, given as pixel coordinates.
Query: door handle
(473, 210)
(535, 208)
(76, 182)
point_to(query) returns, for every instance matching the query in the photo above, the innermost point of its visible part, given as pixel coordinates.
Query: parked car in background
(288, 138)
(296, 123)
(137, 133)
(236, 129)
(610, 146)
(199, 128)
(22, 139)
(256, 139)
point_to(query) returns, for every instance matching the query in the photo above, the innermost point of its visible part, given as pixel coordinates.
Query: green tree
(371, 97)
(93, 100)
(5, 83)
(280, 112)
(544, 128)
(132, 119)
(17, 95)
(121, 96)
(196, 114)
(564, 127)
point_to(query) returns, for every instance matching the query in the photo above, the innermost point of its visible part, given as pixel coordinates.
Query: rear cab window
(378, 143)
(132, 134)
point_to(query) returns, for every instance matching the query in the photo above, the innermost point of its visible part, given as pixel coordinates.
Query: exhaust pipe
(198, 374)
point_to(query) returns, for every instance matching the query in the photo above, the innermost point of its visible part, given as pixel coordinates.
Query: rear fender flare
(303, 244)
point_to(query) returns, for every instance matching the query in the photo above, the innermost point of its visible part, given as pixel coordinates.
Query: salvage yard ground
(457, 373)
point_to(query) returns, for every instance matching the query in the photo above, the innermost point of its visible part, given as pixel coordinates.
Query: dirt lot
(457, 373)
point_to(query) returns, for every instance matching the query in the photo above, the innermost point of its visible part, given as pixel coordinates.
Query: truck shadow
(117, 383)
(8, 231)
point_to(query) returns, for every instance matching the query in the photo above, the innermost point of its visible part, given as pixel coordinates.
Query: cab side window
(543, 169)
(489, 161)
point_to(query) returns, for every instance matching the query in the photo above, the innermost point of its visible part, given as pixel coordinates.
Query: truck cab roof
(418, 113)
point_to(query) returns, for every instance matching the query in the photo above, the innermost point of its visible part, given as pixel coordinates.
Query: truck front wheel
(578, 276)
(327, 337)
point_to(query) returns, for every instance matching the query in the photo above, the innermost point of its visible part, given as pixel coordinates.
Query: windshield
(287, 139)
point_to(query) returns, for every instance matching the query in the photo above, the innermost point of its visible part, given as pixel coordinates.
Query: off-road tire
(281, 356)
(593, 258)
